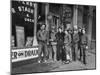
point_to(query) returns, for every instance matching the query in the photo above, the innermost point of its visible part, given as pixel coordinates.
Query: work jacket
(42, 36)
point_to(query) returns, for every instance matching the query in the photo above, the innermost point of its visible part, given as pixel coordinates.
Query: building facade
(28, 16)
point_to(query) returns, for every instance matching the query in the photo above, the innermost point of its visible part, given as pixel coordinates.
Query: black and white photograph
(52, 37)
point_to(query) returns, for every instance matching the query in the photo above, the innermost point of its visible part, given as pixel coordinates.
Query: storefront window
(22, 23)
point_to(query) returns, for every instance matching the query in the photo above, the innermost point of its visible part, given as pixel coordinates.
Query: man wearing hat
(60, 43)
(79, 43)
(84, 46)
(75, 43)
(67, 43)
(42, 36)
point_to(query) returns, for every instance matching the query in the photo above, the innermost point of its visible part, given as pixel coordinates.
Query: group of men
(65, 45)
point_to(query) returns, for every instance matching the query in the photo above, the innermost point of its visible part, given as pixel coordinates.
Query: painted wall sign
(25, 10)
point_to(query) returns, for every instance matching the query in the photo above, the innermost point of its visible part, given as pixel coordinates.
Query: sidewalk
(93, 51)
(78, 65)
(56, 66)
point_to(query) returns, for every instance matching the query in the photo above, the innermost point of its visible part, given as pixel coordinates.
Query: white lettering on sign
(31, 11)
(29, 20)
(31, 4)
(24, 54)
(25, 9)
(28, 3)
(23, 2)
(19, 8)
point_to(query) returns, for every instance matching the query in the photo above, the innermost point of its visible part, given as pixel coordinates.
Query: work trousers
(83, 54)
(68, 52)
(42, 49)
(75, 52)
(61, 53)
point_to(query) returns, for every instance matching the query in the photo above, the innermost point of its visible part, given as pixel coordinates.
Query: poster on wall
(20, 36)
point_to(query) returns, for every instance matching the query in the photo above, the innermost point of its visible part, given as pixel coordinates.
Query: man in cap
(75, 43)
(42, 36)
(79, 43)
(60, 43)
(67, 43)
(84, 46)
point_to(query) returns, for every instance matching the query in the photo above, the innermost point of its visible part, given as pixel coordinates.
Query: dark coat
(84, 39)
(60, 38)
(80, 34)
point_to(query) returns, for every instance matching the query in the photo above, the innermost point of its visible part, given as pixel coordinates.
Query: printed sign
(24, 54)
(20, 36)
